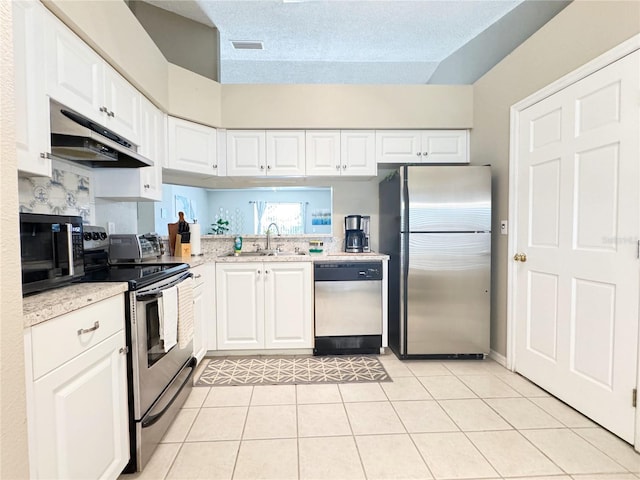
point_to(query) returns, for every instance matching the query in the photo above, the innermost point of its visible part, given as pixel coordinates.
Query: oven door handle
(151, 419)
(156, 292)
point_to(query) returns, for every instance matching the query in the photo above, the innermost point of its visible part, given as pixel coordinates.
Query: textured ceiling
(357, 41)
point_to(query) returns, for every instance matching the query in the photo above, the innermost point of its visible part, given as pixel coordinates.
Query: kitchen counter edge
(40, 307)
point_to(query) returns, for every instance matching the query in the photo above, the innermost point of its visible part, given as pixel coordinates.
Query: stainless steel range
(160, 379)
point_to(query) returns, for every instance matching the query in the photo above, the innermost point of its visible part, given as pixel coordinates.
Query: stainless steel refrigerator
(435, 224)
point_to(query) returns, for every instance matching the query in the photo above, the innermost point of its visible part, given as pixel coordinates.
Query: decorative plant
(220, 227)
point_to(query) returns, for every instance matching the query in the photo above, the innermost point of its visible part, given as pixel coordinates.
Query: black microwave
(51, 251)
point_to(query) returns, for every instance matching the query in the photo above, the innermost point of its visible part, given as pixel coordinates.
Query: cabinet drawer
(60, 339)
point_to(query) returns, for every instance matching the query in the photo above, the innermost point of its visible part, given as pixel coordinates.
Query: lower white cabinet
(264, 305)
(77, 393)
(204, 326)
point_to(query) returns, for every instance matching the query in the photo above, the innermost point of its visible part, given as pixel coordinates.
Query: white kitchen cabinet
(357, 152)
(422, 146)
(246, 153)
(240, 305)
(79, 79)
(192, 148)
(204, 327)
(77, 393)
(288, 320)
(264, 305)
(138, 184)
(323, 152)
(285, 152)
(259, 153)
(33, 140)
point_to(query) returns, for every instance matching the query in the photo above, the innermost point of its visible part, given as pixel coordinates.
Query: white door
(285, 152)
(240, 306)
(191, 147)
(246, 153)
(81, 415)
(288, 305)
(576, 295)
(123, 104)
(398, 146)
(358, 152)
(445, 146)
(322, 152)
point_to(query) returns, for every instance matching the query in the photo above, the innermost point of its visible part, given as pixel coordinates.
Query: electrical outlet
(504, 227)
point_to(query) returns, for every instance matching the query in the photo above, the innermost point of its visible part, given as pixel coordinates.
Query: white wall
(581, 32)
(14, 462)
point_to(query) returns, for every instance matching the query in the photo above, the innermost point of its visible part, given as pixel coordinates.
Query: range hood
(78, 139)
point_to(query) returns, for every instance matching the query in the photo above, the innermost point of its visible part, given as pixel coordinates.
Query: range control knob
(86, 236)
(103, 235)
(96, 236)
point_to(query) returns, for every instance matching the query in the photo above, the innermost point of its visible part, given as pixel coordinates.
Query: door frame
(611, 56)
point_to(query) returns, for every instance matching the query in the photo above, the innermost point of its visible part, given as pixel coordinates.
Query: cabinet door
(288, 305)
(445, 146)
(398, 146)
(204, 327)
(240, 306)
(122, 103)
(74, 71)
(32, 104)
(358, 152)
(81, 415)
(285, 152)
(322, 152)
(246, 153)
(191, 147)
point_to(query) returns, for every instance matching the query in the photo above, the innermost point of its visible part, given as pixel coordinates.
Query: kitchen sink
(267, 253)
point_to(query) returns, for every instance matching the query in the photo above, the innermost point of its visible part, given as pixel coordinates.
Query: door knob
(520, 257)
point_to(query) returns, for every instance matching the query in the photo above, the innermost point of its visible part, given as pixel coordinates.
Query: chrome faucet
(269, 234)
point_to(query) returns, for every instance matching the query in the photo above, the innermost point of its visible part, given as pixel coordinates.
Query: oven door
(153, 368)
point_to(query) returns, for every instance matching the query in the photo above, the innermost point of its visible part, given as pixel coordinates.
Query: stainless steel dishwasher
(348, 307)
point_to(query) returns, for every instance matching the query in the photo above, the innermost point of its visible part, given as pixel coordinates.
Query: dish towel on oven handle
(185, 312)
(168, 315)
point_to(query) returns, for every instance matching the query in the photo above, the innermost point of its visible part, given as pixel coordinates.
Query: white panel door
(288, 305)
(398, 146)
(240, 306)
(322, 152)
(358, 152)
(123, 104)
(285, 152)
(576, 298)
(246, 153)
(191, 147)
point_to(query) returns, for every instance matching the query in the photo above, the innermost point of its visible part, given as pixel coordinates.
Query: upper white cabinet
(265, 153)
(422, 146)
(285, 152)
(138, 184)
(323, 152)
(77, 393)
(264, 305)
(79, 79)
(33, 140)
(357, 152)
(192, 148)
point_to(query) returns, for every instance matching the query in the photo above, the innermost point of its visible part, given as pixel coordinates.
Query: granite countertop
(44, 306)
(330, 257)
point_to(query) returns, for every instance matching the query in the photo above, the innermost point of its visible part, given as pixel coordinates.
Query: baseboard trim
(496, 357)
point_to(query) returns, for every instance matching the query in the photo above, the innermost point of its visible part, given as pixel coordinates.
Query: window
(289, 217)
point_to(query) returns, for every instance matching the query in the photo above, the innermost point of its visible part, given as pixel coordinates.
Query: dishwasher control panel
(347, 271)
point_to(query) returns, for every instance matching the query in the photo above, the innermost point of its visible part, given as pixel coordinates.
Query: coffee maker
(356, 239)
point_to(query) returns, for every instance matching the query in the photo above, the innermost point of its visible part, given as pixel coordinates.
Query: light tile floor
(438, 419)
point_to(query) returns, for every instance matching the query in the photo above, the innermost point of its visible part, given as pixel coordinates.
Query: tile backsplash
(67, 192)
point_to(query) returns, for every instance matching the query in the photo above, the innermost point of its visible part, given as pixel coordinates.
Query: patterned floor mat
(292, 370)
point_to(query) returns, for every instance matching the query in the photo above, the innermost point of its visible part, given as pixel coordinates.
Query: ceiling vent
(247, 45)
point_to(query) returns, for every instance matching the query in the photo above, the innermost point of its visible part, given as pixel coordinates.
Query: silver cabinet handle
(344, 167)
(266, 272)
(261, 167)
(424, 154)
(197, 276)
(214, 165)
(45, 155)
(104, 110)
(268, 167)
(419, 154)
(111, 114)
(123, 350)
(146, 185)
(96, 326)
